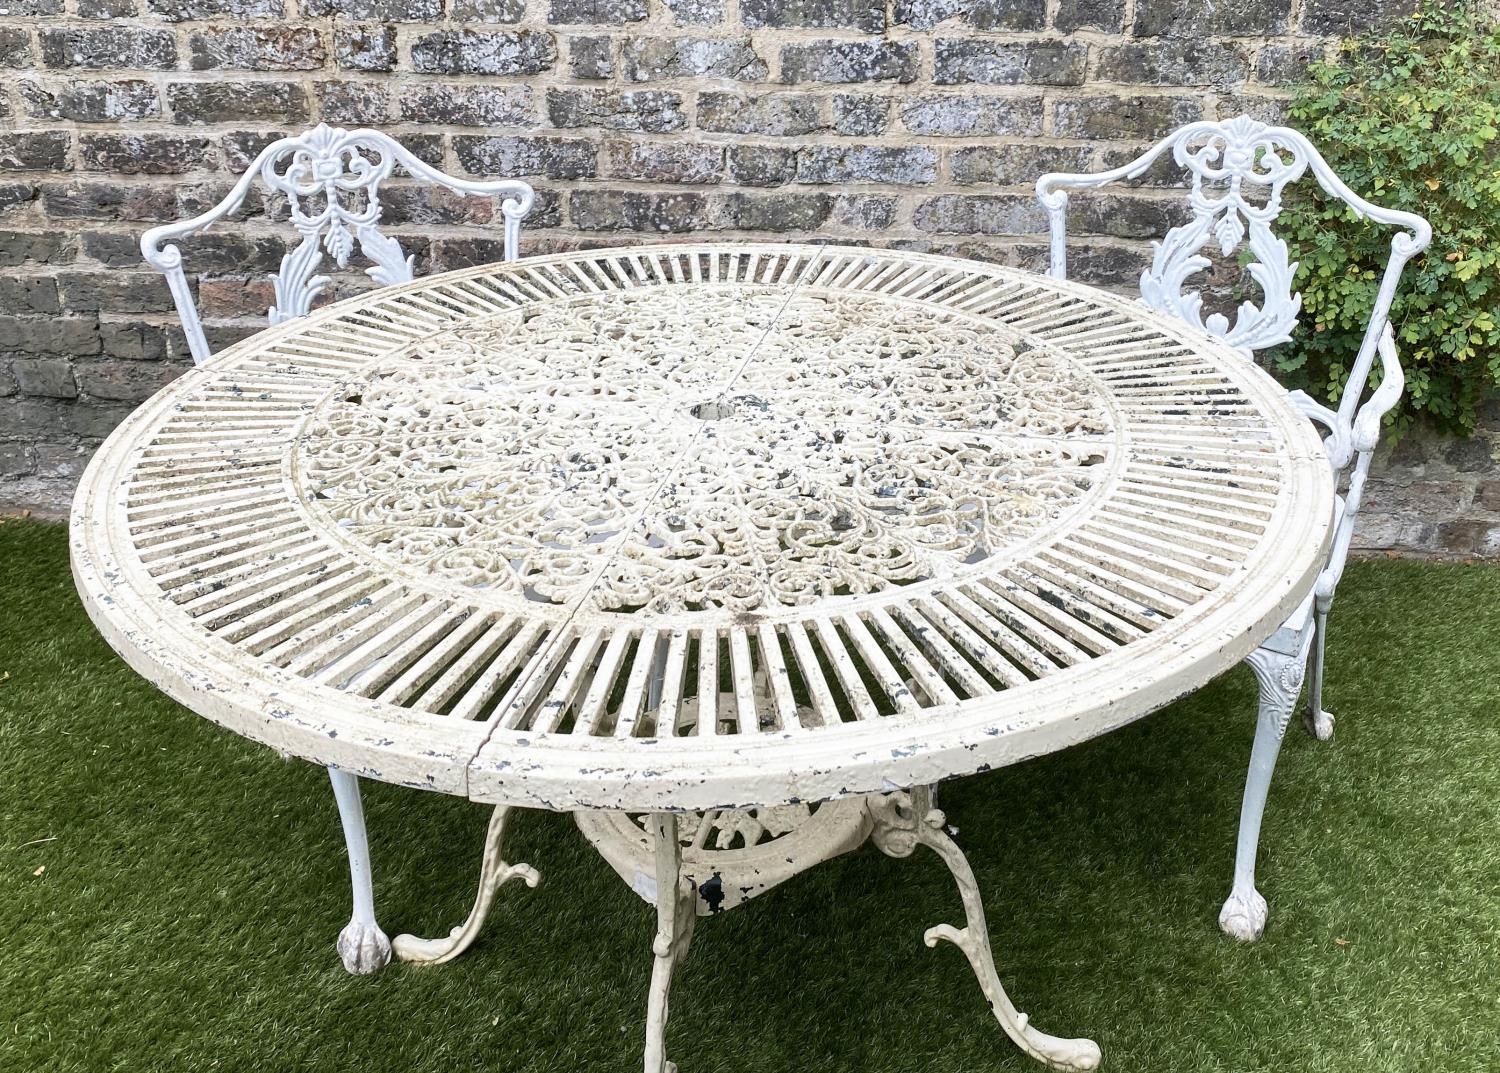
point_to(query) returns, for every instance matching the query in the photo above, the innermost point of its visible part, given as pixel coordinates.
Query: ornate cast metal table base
(700, 864)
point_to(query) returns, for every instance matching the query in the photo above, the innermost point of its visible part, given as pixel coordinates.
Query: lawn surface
(181, 914)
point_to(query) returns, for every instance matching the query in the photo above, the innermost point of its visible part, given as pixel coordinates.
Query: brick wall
(918, 123)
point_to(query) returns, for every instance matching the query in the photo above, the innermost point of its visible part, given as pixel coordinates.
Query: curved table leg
(676, 914)
(1280, 679)
(493, 874)
(362, 946)
(904, 820)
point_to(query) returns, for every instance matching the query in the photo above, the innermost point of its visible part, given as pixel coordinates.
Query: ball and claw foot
(1319, 724)
(363, 948)
(1243, 916)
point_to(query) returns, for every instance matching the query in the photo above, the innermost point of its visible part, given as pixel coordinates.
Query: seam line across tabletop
(1160, 534)
(540, 665)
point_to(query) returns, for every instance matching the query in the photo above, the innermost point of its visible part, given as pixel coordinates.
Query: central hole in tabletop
(719, 409)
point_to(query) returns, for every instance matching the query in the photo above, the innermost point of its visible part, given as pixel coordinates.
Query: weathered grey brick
(1270, 110)
(106, 9)
(1162, 172)
(860, 115)
(556, 158)
(1008, 63)
(491, 52)
(280, 48)
(1174, 63)
(221, 102)
(864, 15)
(1282, 64)
(136, 341)
(865, 212)
(15, 196)
(9, 453)
(15, 47)
(696, 12)
(595, 12)
(1125, 215)
(60, 337)
(850, 61)
(125, 381)
(108, 200)
(365, 48)
(29, 9)
(653, 111)
(667, 162)
(185, 10)
(647, 59)
(42, 150)
(45, 377)
(761, 165)
(989, 214)
(777, 212)
(91, 102)
(1015, 165)
(776, 114)
(23, 247)
(980, 14)
(376, 10)
(1090, 261)
(29, 294)
(1346, 18)
(591, 56)
(468, 105)
(631, 210)
(1106, 16)
(1123, 117)
(950, 116)
(463, 11)
(144, 154)
(114, 292)
(1192, 19)
(866, 164)
(127, 47)
(353, 103)
(241, 147)
(411, 203)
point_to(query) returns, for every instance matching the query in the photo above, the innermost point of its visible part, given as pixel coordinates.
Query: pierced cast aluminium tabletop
(688, 527)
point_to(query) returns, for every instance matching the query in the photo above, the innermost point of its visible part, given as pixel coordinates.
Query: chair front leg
(1279, 676)
(362, 946)
(1318, 722)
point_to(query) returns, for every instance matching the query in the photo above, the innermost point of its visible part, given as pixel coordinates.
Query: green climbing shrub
(1409, 117)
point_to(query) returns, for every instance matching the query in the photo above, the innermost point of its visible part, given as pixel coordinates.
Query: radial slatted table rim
(495, 532)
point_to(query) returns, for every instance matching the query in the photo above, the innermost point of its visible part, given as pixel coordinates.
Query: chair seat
(1289, 638)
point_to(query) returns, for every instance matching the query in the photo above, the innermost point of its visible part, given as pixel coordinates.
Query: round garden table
(733, 551)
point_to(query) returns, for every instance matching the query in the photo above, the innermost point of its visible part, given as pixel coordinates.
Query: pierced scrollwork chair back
(1238, 170)
(330, 178)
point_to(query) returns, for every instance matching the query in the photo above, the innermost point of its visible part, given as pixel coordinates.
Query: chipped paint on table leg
(362, 946)
(1280, 679)
(494, 873)
(675, 917)
(903, 821)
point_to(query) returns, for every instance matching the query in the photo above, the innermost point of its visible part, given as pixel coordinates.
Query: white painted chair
(1246, 166)
(331, 179)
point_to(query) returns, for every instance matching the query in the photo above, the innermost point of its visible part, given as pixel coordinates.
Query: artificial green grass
(194, 883)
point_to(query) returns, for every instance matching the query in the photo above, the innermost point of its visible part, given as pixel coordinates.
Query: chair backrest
(331, 180)
(1236, 157)
(1247, 164)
